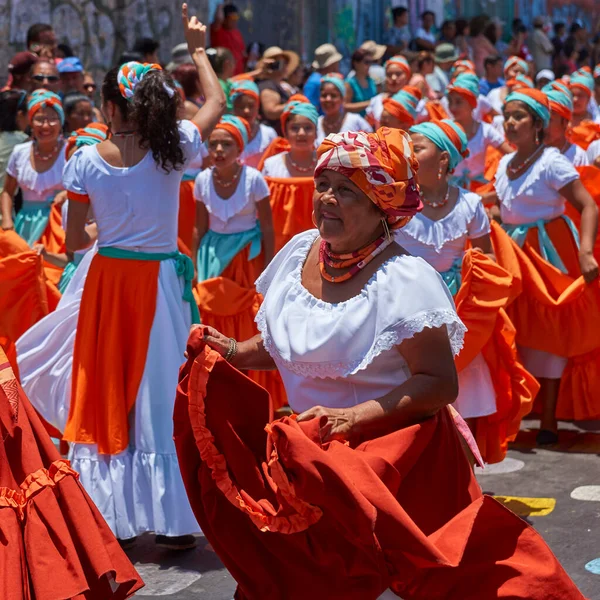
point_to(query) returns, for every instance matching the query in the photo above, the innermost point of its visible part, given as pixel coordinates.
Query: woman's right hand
(216, 340)
(194, 30)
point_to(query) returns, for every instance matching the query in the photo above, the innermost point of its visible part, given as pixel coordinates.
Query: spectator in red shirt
(224, 33)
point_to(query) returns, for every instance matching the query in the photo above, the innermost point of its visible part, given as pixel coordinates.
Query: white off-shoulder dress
(343, 354)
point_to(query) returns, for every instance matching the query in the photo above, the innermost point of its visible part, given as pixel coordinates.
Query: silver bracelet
(232, 350)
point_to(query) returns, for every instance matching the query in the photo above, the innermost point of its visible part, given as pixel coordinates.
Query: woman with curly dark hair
(137, 303)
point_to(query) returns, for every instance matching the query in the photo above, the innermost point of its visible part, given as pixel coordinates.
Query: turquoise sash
(464, 179)
(453, 277)
(32, 219)
(217, 250)
(549, 253)
(183, 266)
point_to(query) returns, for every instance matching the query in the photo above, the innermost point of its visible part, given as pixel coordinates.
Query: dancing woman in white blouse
(362, 333)
(532, 185)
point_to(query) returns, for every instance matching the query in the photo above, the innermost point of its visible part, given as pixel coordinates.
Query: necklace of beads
(439, 203)
(357, 260)
(514, 172)
(308, 169)
(44, 157)
(228, 184)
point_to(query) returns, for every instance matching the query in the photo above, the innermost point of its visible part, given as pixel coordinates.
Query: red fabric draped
(291, 518)
(55, 544)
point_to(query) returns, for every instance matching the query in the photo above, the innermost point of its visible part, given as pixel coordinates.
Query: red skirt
(291, 518)
(55, 544)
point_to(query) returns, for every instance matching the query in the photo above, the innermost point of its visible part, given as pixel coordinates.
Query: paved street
(557, 490)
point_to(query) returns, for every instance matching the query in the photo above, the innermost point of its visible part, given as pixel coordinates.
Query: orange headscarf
(238, 127)
(381, 164)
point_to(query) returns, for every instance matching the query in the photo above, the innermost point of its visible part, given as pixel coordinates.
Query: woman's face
(362, 67)
(556, 130)
(388, 120)
(580, 101)
(223, 149)
(519, 124)
(395, 79)
(427, 67)
(45, 125)
(247, 108)
(345, 216)
(430, 158)
(81, 116)
(514, 70)
(301, 133)
(331, 99)
(459, 106)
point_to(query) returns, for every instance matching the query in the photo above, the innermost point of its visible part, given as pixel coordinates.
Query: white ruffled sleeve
(492, 136)
(73, 173)
(12, 167)
(559, 171)
(258, 186)
(190, 140)
(479, 225)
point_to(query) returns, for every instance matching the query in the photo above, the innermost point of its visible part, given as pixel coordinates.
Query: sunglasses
(48, 78)
(52, 121)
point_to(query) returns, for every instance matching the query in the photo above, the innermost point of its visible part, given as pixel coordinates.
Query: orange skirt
(485, 292)
(110, 350)
(584, 134)
(292, 207)
(229, 303)
(555, 313)
(187, 216)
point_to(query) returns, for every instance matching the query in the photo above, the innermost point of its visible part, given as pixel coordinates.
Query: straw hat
(325, 56)
(375, 50)
(275, 52)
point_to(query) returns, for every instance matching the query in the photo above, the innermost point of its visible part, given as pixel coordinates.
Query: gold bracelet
(232, 350)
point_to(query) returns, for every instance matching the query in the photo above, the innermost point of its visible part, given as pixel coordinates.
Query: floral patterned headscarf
(381, 164)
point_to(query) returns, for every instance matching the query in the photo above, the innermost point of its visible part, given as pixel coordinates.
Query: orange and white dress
(291, 199)
(131, 335)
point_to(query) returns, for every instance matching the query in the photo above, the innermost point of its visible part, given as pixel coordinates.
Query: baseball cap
(70, 64)
(21, 62)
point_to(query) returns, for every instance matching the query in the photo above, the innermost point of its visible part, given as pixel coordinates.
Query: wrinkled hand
(194, 30)
(589, 267)
(214, 339)
(335, 423)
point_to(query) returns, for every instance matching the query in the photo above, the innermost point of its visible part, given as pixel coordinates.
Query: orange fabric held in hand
(485, 292)
(553, 314)
(584, 134)
(291, 206)
(291, 518)
(110, 350)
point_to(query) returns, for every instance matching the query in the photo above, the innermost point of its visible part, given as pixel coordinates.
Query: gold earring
(314, 220)
(440, 173)
(386, 228)
(537, 137)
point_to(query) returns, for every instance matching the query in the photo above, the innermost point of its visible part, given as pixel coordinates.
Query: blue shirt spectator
(327, 60)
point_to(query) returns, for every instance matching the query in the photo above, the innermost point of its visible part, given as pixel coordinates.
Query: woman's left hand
(335, 423)
(589, 267)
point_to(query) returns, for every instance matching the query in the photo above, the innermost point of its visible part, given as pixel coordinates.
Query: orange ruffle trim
(33, 484)
(261, 513)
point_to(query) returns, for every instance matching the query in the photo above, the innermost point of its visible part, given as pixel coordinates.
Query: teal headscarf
(297, 107)
(444, 134)
(244, 87)
(339, 83)
(534, 99)
(44, 98)
(583, 79)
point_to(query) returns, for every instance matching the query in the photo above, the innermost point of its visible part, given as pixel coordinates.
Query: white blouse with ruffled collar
(344, 354)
